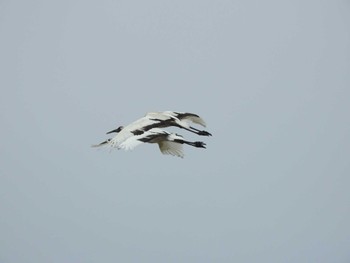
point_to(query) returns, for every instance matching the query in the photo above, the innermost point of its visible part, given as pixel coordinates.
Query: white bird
(158, 120)
(169, 143)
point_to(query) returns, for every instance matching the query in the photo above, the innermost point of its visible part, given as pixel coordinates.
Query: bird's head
(116, 130)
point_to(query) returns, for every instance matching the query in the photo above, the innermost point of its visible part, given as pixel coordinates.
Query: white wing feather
(130, 143)
(195, 119)
(172, 148)
(186, 117)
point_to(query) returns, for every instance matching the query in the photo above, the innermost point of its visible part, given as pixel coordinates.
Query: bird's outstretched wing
(191, 117)
(172, 148)
(182, 116)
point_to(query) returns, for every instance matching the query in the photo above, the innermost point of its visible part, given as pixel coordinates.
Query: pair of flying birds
(148, 129)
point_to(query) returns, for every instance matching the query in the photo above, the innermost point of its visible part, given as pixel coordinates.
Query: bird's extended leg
(199, 132)
(194, 144)
(196, 131)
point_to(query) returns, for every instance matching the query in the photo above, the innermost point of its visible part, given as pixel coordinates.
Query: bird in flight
(148, 130)
(160, 120)
(169, 143)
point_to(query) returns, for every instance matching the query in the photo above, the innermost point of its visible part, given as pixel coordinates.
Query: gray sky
(271, 78)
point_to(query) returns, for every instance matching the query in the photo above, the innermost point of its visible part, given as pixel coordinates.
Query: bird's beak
(116, 130)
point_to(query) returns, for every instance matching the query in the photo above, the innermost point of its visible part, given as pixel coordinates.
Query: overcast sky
(272, 80)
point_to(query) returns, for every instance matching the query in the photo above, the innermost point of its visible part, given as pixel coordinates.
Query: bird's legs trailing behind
(196, 131)
(199, 132)
(194, 144)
